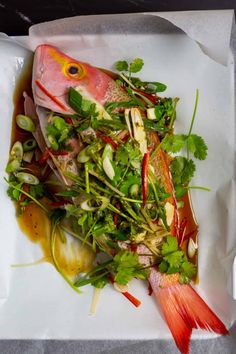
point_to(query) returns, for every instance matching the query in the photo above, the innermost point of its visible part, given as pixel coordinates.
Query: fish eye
(74, 71)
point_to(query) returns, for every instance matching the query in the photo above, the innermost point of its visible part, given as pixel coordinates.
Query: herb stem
(127, 80)
(136, 200)
(109, 185)
(89, 231)
(194, 112)
(87, 178)
(72, 233)
(199, 187)
(174, 113)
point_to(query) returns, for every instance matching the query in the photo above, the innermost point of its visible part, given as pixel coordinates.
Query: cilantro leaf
(163, 267)
(128, 182)
(180, 191)
(127, 152)
(126, 266)
(174, 258)
(188, 271)
(171, 245)
(182, 170)
(13, 193)
(174, 143)
(197, 146)
(121, 65)
(174, 261)
(37, 191)
(136, 65)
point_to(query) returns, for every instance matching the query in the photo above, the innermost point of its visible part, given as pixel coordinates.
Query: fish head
(55, 72)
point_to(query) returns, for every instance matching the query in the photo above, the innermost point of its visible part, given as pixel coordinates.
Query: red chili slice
(108, 140)
(128, 296)
(151, 98)
(132, 299)
(182, 229)
(46, 154)
(68, 120)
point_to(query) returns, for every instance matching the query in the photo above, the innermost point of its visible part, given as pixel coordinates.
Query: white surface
(37, 303)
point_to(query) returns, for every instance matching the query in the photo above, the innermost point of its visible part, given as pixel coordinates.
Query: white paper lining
(177, 61)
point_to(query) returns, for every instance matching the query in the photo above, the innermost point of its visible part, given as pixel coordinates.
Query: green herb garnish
(174, 261)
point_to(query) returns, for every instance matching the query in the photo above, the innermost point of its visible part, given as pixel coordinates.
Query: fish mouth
(50, 95)
(41, 92)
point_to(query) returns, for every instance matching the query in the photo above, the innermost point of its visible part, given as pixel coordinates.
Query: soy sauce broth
(71, 256)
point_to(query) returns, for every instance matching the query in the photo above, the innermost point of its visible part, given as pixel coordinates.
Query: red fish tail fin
(183, 310)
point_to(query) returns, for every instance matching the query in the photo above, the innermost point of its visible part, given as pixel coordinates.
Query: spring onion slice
(25, 123)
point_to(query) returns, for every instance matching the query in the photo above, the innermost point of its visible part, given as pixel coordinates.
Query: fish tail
(183, 310)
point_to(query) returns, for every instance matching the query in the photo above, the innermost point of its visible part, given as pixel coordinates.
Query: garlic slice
(108, 168)
(151, 113)
(169, 213)
(192, 248)
(138, 129)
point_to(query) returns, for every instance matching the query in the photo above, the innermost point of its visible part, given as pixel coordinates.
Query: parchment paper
(37, 302)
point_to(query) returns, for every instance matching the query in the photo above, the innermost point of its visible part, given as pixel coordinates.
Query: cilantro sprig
(183, 168)
(174, 261)
(194, 143)
(133, 67)
(123, 267)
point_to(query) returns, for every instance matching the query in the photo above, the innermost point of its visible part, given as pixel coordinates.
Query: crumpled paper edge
(211, 30)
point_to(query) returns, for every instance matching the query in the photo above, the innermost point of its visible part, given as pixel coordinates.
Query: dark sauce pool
(71, 256)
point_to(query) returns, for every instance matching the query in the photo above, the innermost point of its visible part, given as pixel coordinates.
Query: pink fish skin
(54, 73)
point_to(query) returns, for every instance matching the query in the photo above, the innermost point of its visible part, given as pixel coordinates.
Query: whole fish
(53, 74)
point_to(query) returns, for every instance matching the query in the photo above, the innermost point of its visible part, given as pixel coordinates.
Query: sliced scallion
(13, 166)
(91, 203)
(25, 123)
(53, 143)
(29, 145)
(83, 156)
(17, 151)
(27, 178)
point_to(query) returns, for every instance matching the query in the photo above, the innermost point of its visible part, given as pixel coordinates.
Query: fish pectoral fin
(183, 310)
